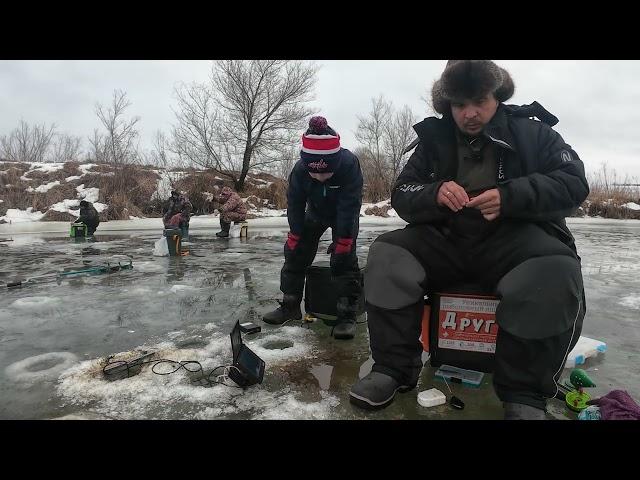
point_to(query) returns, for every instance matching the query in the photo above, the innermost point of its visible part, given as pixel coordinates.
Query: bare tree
(383, 136)
(97, 144)
(286, 163)
(398, 134)
(65, 148)
(26, 143)
(375, 185)
(160, 153)
(371, 131)
(119, 145)
(250, 112)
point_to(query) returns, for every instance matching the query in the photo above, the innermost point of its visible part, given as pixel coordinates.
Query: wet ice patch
(150, 267)
(281, 405)
(183, 289)
(22, 240)
(39, 368)
(632, 301)
(141, 291)
(36, 304)
(289, 408)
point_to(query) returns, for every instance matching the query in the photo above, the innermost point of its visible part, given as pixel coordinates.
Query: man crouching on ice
(325, 190)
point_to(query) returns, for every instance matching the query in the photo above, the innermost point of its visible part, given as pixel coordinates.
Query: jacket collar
(497, 130)
(434, 129)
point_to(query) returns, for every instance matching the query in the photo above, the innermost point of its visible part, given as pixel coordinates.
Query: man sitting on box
(485, 194)
(89, 216)
(325, 190)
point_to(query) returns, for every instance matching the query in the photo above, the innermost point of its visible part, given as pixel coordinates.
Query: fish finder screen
(250, 361)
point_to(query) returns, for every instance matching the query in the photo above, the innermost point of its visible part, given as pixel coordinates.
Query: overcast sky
(597, 102)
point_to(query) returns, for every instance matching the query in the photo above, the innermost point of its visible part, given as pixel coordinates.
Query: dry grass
(126, 192)
(120, 208)
(42, 201)
(275, 194)
(379, 211)
(608, 192)
(11, 176)
(195, 184)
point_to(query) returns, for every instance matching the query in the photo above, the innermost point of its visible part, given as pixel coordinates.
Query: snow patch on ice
(36, 303)
(147, 395)
(15, 215)
(183, 289)
(39, 368)
(632, 301)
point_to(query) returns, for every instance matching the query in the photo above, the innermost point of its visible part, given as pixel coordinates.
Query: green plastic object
(580, 379)
(577, 401)
(78, 230)
(110, 265)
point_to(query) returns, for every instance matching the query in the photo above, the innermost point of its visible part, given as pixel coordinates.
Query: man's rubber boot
(376, 391)
(345, 328)
(224, 229)
(519, 411)
(289, 309)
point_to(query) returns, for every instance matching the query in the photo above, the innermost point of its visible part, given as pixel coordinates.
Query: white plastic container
(160, 248)
(431, 398)
(238, 230)
(585, 348)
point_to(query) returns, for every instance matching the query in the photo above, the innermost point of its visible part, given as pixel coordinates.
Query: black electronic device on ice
(248, 368)
(250, 327)
(119, 369)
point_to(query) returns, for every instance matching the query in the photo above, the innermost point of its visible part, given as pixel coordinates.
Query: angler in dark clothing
(485, 194)
(178, 203)
(325, 191)
(179, 221)
(89, 216)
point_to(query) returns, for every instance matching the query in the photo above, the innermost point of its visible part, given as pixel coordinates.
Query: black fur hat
(466, 79)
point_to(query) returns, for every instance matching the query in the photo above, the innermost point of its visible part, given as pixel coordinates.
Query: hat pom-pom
(318, 124)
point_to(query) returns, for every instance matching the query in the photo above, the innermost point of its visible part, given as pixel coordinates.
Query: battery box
(461, 330)
(320, 293)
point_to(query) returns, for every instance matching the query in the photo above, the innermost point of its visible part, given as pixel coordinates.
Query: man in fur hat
(485, 194)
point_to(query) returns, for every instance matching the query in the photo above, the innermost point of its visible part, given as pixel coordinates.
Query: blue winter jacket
(335, 203)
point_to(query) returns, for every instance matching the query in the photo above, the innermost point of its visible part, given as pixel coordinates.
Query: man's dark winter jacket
(540, 178)
(89, 216)
(335, 202)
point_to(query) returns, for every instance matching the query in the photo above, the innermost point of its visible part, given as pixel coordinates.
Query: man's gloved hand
(291, 243)
(341, 257)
